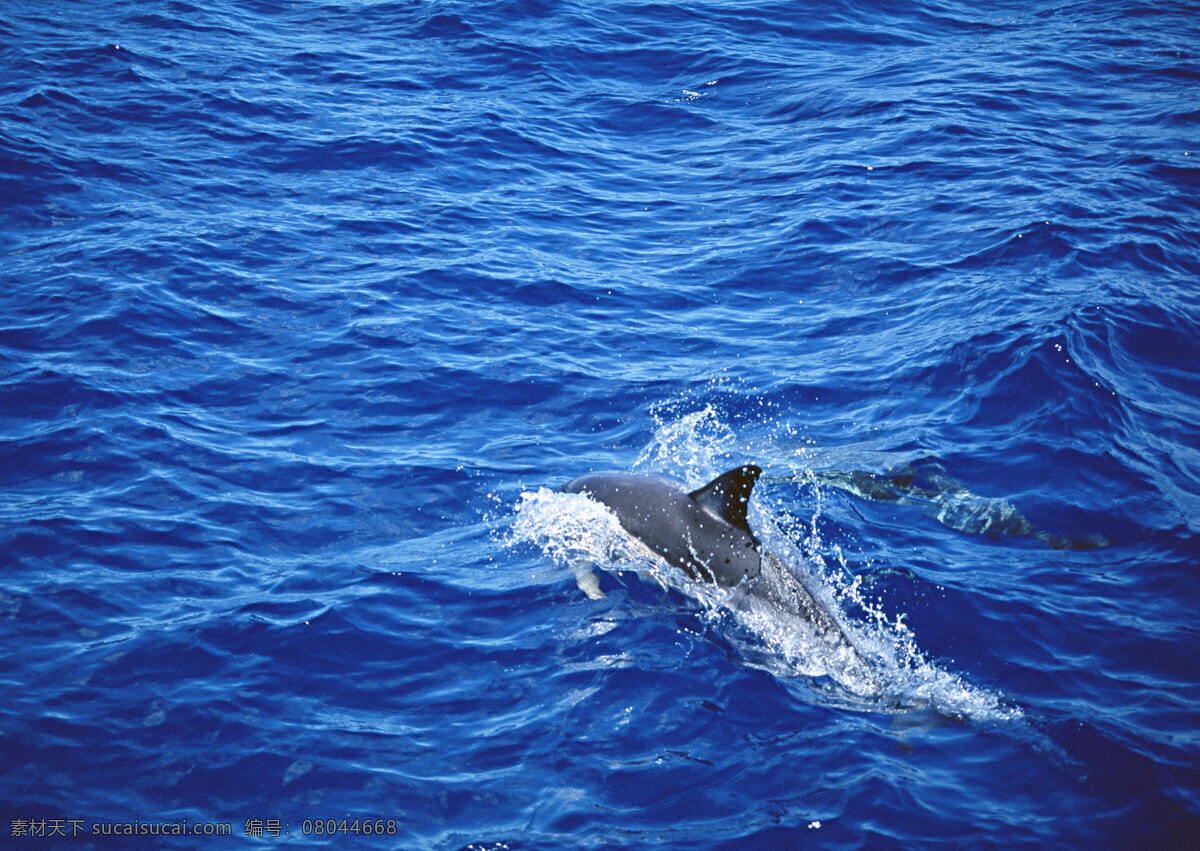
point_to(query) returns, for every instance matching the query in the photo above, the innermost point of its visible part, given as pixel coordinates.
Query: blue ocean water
(308, 308)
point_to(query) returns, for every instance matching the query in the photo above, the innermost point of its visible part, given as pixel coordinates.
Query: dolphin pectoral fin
(586, 579)
(728, 495)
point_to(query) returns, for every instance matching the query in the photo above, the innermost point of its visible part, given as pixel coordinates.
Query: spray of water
(883, 668)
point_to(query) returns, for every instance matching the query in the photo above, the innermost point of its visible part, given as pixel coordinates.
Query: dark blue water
(308, 307)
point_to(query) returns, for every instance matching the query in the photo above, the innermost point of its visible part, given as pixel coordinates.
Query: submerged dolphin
(704, 532)
(925, 483)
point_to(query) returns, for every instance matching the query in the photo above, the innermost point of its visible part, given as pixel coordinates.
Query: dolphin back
(704, 532)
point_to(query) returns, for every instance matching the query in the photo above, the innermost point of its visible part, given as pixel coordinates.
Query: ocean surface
(308, 309)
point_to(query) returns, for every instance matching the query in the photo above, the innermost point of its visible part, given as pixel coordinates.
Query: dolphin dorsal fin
(728, 495)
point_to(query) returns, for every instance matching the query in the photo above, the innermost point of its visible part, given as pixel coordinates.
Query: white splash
(884, 671)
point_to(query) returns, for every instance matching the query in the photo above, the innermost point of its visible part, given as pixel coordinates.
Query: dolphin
(704, 532)
(925, 483)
